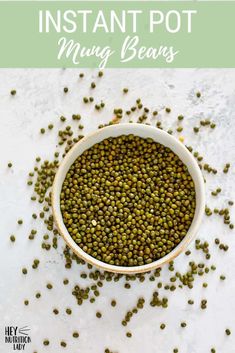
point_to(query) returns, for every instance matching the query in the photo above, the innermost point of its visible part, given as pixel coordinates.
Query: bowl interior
(144, 131)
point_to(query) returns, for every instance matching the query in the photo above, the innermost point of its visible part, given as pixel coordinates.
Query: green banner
(117, 34)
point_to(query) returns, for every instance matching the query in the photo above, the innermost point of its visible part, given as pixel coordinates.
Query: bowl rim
(199, 210)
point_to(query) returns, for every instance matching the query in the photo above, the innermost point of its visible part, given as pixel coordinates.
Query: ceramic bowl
(144, 131)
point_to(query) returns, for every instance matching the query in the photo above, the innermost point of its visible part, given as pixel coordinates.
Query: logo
(18, 337)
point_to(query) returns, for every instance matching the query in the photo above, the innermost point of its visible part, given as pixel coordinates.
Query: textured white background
(39, 101)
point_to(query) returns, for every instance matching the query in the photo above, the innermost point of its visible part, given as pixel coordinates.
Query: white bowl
(144, 131)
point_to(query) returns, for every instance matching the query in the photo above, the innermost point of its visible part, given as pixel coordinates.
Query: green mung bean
(113, 303)
(98, 315)
(68, 311)
(24, 271)
(63, 344)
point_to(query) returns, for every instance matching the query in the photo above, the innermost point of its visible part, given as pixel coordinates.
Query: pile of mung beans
(126, 201)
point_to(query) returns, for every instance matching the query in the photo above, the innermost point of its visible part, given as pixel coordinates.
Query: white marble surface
(39, 101)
